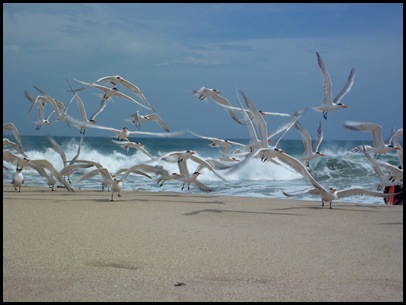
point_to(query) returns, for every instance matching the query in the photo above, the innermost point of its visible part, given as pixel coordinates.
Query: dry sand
(145, 246)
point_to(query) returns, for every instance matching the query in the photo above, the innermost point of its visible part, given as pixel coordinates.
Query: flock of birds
(229, 161)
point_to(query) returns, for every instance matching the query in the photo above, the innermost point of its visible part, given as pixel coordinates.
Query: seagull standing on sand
(328, 103)
(18, 180)
(110, 179)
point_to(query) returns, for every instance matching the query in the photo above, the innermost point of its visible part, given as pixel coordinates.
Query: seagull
(384, 179)
(41, 121)
(18, 180)
(254, 142)
(327, 195)
(310, 152)
(223, 144)
(58, 106)
(176, 156)
(191, 178)
(83, 122)
(117, 79)
(26, 162)
(110, 92)
(127, 145)
(67, 171)
(264, 151)
(51, 181)
(203, 93)
(39, 99)
(110, 179)
(137, 119)
(163, 174)
(328, 103)
(379, 146)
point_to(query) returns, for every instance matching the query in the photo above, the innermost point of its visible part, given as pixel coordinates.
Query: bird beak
(345, 106)
(269, 140)
(322, 155)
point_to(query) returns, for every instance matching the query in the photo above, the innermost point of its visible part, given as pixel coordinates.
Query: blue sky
(268, 51)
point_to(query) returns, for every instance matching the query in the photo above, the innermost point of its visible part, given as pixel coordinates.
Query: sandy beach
(181, 247)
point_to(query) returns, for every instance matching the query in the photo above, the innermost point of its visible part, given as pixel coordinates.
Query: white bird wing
(109, 80)
(347, 87)
(314, 191)
(81, 105)
(103, 105)
(136, 169)
(327, 86)
(137, 91)
(127, 97)
(319, 138)
(78, 152)
(69, 169)
(259, 121)
(375, 166)
(202, 186)
(307, 141)
(296, 165)
(375, 129)
(102, 170)
(155, 117)
(205, 164)
(223, 101)
(48, 165)
(286, 127)
(360, 191)
(251, 130)
(394, 170)
(156, 134)
(12, 158)
(10, 126)
(133, 145)
(58, 149)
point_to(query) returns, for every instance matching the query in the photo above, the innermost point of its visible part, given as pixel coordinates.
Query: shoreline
(164, 246)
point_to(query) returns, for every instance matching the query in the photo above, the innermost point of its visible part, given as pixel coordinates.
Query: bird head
(342, 105)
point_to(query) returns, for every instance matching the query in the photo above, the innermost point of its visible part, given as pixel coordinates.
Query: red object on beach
(389, 200)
